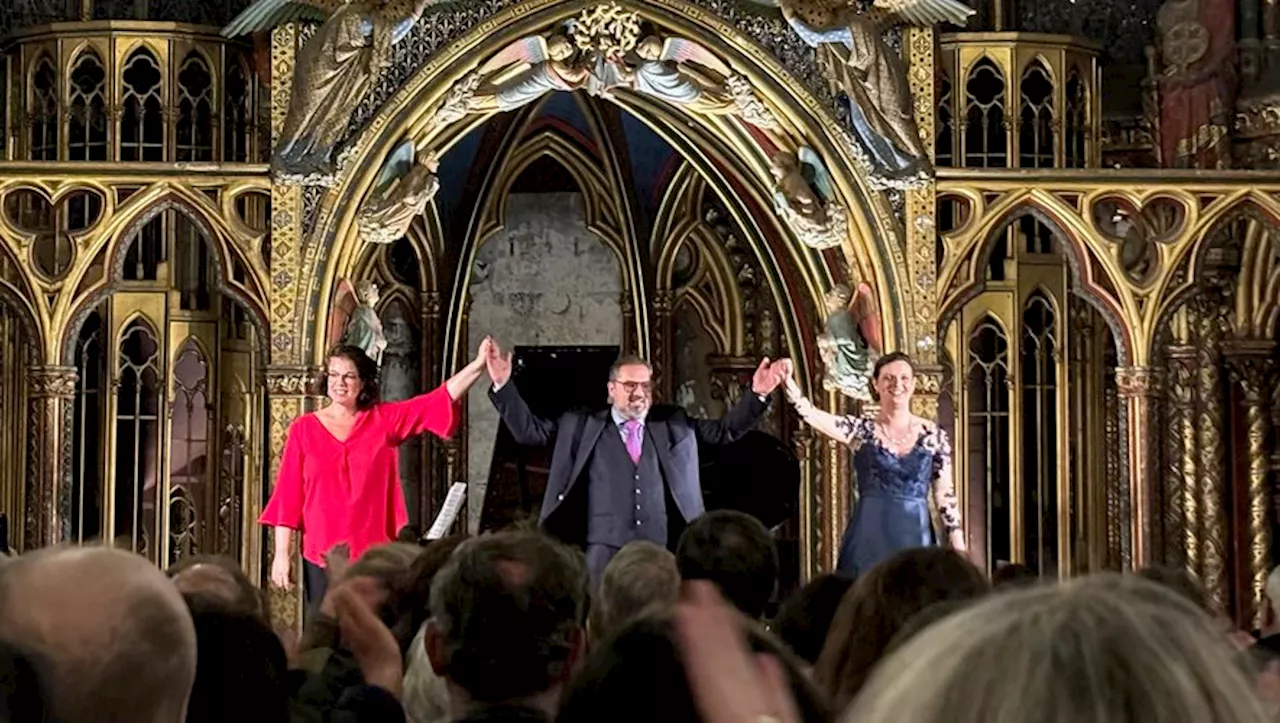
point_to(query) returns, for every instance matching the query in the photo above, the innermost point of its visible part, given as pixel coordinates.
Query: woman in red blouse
(339, 480)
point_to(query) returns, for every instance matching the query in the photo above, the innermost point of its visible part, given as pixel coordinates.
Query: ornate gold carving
(1212, 456)
(920, 228)
(1253, 374)
(285, 605)
(607, 30)
(1139, 387)
(1181, 452)
(1137, 382)
(292, 381)
(56, 382)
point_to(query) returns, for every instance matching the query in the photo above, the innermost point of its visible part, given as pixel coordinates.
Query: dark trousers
(598, 556)
(315, 581)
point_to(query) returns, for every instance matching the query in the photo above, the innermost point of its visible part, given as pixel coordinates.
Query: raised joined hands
(769, 375)
(497, 364)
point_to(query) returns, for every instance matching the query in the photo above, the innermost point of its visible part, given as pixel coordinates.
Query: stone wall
(543, 280)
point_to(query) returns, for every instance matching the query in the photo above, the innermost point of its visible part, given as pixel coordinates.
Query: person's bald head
(108, 634)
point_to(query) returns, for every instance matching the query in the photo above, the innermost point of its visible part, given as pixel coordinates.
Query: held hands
(497, 364)
(769, 375)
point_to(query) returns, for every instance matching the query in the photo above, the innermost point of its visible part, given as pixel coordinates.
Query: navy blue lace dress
(892, 511)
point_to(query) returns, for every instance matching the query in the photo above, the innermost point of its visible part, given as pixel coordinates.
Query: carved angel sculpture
(540, 65)
(354, 321)
(664, 72)
(851, 341)
(804, 197)
(400, 194)
(856, 60)
(331, 74)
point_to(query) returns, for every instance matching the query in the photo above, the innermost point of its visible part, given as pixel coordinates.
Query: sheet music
(448, 513)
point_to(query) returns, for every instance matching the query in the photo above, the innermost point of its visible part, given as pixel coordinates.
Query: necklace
(896, 441)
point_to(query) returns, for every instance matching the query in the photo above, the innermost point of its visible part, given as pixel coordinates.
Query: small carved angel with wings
(671, 69)
(332, 73)
(851, 341)
(353, 319)
(526, 70)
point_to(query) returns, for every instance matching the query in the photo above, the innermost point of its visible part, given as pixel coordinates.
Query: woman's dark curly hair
(366, 369)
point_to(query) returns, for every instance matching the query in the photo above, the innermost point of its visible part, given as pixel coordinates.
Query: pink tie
(632, 427)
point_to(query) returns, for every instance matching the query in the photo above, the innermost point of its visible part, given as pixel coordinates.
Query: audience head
(641, 578)
(1104, 649)
(1014, 574)
(805, 619)
(351, 378)
(639, 676)
(413, 590)
(736, 552)
(880, 603)
(107, 634)
(506, 619)
(217, 580)
(240, 669)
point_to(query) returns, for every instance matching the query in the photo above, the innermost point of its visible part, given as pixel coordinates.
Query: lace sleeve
(842, 428)
(944, 489)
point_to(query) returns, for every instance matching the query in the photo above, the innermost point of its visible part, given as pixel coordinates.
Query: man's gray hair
(642, 578)
(628, 360)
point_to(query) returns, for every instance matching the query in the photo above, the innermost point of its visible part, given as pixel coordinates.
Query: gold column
(1211, 428)
(921, 204)
(1140, 388)
(287, 375)
(51, 388)
(288, 388)
(1113, 480)
(1252, 374)
(1181, 457)
(662, 341)
(811, 550)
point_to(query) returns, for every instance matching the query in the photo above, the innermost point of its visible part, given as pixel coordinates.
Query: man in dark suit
(629, 472)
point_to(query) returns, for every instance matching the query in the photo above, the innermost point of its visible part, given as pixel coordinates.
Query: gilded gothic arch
(874, 246)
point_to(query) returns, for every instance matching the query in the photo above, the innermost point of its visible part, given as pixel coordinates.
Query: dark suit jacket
(674, 434)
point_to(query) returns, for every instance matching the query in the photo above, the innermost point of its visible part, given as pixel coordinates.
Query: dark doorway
(552, 380)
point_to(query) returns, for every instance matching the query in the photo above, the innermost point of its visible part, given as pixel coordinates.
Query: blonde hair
(1104, 649)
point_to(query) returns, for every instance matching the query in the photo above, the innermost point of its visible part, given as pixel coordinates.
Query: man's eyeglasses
(631, 387)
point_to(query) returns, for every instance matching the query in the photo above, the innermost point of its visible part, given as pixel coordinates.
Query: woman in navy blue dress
(899, 459)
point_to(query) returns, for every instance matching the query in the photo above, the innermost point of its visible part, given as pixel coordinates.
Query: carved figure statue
(857, 62)
(402, 191)
(540, 65)
(1197, 82)
(354, 321)
(805, 199)
(333, 71)
(851, 342)
(664, 72)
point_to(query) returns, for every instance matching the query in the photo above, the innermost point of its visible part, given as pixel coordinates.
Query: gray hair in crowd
(1104, 649)
(642, 578)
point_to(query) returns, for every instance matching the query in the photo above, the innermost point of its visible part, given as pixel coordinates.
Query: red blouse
(349, 491)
